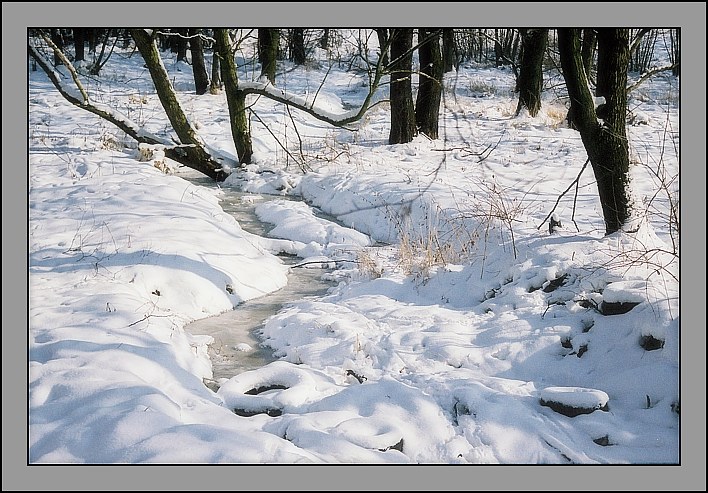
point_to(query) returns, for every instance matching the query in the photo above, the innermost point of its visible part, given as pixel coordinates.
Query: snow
(575, 397)
(437, 342)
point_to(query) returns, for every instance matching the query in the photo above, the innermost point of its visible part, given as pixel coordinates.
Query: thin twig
(577, 178)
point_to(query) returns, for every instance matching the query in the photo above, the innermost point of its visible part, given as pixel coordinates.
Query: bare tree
(298, 55)
(530, 81)
(235, 98)
(427, 105)
(403, 127)
(268, 41)
(449, 50)
(602, 128)
(201, 79)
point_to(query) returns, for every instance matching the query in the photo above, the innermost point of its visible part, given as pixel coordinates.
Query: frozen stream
(237, 346)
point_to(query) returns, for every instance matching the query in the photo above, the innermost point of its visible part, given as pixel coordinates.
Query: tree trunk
(268, 41)
(215, 73)
(324, 40)
(235, 98)
(588, 50)
(297, 46)
(606, 141)
(181, 44)
(185, 132)
(427, 106)
(530, 81)
(58, 40)
(402, 111)
(382, 34)
(448, 53)
(92, 35)
(79, 42)
(201, 78)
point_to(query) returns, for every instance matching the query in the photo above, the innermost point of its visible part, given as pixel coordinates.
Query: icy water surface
(237, 346)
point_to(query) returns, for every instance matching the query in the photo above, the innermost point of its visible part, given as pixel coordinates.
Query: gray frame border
(17, 475)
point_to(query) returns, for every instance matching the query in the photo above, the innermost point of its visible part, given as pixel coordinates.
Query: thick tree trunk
(201, 78)
(79, 42)
(427, 106)
(235, 98)
(268, 41)
(185, 132)
(530, 81)
(402, 111)
(448, 50)
(324, 40)
(605, 141)
(297, 46)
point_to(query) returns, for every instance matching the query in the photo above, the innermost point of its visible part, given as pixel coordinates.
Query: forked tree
(602, 126)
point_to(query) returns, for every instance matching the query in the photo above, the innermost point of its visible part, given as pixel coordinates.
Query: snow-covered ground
(457, 316)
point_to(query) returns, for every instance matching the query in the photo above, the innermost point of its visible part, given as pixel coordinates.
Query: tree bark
(588, 50)
(79, 42)
(530, 81)
(58, 40)
(402, 111)
(235, 98)
(201, 78)
(605, 141)
(181, 44)
(268, 41)
(382, 34)
(448, 50)
(324, 40)
(427, 106)
(297, 46)
(215, 73)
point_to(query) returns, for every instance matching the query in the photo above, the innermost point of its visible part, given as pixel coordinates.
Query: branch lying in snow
(325, 261)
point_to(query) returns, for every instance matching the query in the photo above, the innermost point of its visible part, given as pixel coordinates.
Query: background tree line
(597, 58)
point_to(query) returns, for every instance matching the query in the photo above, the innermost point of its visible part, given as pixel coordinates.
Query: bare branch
(574, 182)
(650, 74)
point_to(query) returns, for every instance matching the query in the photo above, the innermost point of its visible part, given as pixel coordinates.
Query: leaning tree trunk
(235, 98)
(201, 78)
(530, 81)
(194, 147)
(402, 111)
(605, 140)
(268, 41)
(427, 105)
